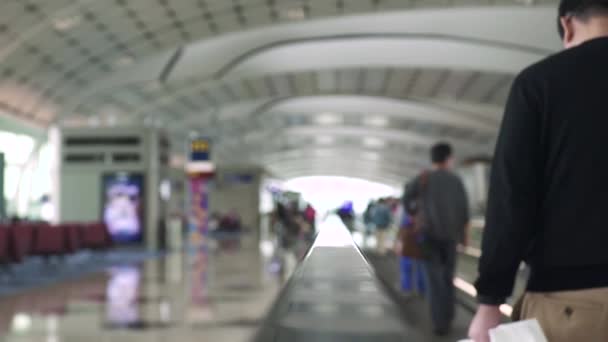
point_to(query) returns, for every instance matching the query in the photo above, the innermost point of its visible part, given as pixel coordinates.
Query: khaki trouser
(381, 240)
(566, 316)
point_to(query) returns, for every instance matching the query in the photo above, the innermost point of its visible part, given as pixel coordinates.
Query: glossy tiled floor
(211, 295)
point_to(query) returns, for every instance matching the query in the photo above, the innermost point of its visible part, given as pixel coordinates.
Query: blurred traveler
(287, 229)
(310, 215)
(368, 222)
(214, 221)
(438, 202)
(382, 218)
(547, 202)
(347, 215)
(47, 209)
(290, 228)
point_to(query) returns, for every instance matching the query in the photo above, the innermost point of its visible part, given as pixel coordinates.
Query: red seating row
(19, 241)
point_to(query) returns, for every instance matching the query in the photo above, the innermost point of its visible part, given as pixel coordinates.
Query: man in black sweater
(548, 191)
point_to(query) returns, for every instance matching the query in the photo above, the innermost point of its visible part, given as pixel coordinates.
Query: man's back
(560, 125)
(569, 92)
(445, 204)
(382, 215)
(547, 200)
(546, 204)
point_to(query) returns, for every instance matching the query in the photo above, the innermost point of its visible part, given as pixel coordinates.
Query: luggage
(410, 243)
(410, 236)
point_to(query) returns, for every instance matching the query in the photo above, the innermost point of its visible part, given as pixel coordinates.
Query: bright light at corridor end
(327, 193)
(332, 233)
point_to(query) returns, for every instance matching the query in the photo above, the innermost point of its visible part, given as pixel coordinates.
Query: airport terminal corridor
(301, 170)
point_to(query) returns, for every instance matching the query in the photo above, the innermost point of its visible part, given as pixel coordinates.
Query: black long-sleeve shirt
(548, 201)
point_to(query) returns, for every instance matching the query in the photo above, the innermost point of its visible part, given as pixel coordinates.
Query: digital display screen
(123, 206)
(122, 296)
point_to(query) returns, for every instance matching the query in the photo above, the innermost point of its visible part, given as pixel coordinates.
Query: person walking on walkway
(547, 204)
(382, 218)
(438, 201)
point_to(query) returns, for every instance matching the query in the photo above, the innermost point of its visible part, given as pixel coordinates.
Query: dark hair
(581, 9)
(441, 152)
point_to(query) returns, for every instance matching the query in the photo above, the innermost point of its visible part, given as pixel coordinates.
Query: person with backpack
(438, 205)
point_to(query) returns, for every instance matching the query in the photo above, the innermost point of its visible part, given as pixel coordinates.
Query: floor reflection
(206, 294)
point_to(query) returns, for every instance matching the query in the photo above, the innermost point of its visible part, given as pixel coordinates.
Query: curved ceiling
(372, 83)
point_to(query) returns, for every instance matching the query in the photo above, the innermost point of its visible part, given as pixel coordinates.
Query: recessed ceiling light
(325, 140)
(526, 2)
(124, 61)
(328, 119)
(93, 121)
(295, 13)
(111, 119)
(376, 121)
(67, 23)
(323, 153)
(374, 142)
(153, 86)
(374, 156)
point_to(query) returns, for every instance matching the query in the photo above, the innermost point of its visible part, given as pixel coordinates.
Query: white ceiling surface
(477, 29)
(369, 83)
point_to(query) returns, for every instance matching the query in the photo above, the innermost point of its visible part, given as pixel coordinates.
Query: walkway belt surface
(334, 295)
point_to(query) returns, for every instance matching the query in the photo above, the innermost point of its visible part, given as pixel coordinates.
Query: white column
(152, 190)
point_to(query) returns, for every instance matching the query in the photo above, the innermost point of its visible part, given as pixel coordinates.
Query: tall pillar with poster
(200, 171)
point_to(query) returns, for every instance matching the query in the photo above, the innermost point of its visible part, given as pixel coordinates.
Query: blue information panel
(200, 150)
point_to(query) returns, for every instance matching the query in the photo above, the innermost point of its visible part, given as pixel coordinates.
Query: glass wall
(27, 173)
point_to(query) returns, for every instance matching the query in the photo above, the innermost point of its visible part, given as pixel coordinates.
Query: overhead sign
(200, 150)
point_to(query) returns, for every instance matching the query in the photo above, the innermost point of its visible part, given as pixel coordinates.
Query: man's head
(441, 155)
(582, 20)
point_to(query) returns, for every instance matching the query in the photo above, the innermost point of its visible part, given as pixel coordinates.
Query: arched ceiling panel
(386, 134)
(346, 155)
(377, 108)
(288, 173)
(362, 170)
(392, 52)
(192, 98)
(481, 26)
